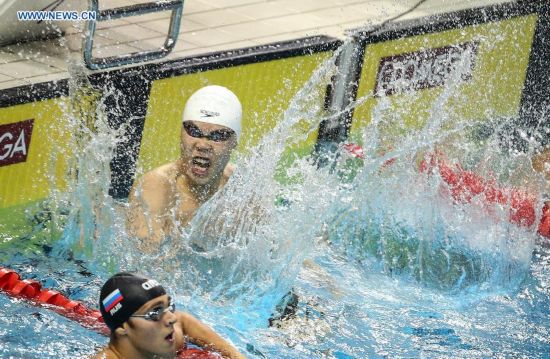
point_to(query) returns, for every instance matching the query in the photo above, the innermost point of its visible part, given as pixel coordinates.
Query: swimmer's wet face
(141, 316)
(160, 337)
(205, 151)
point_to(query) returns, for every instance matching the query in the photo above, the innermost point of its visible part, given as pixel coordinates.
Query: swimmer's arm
(147, 213)
(202, 335)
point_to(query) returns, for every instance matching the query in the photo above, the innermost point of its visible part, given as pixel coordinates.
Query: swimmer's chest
(185, 204)
(185, 208)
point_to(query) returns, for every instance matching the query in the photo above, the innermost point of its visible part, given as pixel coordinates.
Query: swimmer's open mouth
(169, 337)
(201, 162)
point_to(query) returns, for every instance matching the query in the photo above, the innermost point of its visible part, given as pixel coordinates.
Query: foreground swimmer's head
(144, 323)
(211, 128)
(140, 315)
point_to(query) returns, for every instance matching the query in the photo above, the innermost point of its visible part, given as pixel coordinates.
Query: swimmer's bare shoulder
(105, 353)
(227, 172)
(156, 187)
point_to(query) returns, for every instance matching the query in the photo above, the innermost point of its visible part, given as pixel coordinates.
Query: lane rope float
(465, 185)
(12, 285)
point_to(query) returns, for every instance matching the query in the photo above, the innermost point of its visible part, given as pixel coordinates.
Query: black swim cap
(123, 294)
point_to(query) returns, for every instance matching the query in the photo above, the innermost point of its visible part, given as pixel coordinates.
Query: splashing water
(92, 222)
(399, 270)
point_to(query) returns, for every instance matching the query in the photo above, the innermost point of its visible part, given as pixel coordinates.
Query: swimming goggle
(157, 313)
(216, 136)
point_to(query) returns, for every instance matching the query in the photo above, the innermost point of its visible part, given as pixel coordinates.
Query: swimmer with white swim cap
(211, 128)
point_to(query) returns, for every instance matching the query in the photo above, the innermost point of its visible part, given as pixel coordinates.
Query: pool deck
(209, 26)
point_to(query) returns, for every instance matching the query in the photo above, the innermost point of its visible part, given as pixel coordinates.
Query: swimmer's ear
(121, 330)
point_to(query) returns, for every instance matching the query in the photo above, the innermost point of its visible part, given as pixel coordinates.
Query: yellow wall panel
(494, 89)
(48, 153)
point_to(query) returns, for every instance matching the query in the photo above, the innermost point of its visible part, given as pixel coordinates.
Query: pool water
(364, 313)
(383, 265)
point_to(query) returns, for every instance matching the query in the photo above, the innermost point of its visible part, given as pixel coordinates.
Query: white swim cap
(216, 105)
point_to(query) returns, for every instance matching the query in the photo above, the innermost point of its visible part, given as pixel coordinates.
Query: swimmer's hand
(203, 336)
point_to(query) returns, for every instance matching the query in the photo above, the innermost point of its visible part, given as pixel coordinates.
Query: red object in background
(544, 226)
(193, 353)
(465, 185)
(355, 150)
(358, 152)
(12, 285)
(15, 140)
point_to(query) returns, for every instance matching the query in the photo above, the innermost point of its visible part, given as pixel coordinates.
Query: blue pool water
(383, 265)
(367, 314)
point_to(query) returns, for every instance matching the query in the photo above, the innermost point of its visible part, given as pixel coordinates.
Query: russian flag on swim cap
(112, 299)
